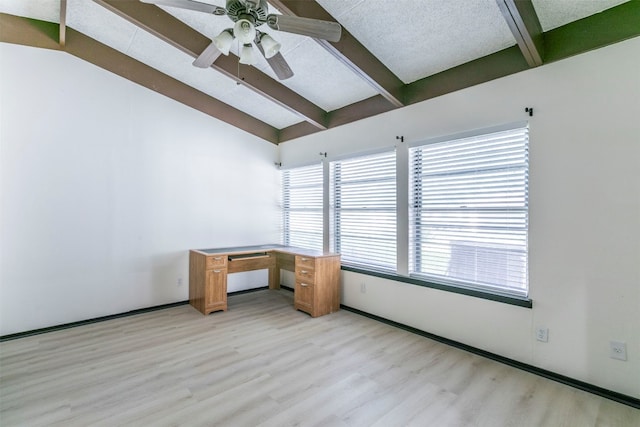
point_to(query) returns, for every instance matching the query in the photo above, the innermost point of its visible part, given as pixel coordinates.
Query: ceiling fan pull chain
(238, 73)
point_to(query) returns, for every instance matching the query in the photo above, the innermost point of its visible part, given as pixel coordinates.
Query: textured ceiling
(421, 38)
(400, 42)
(45, 10)
(554, 13)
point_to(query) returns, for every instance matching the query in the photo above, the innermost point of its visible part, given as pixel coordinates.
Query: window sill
(512, 300)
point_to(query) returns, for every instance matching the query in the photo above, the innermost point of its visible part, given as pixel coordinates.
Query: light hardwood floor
(263, 363)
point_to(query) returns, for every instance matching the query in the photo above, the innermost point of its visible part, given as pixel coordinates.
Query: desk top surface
(265, 248)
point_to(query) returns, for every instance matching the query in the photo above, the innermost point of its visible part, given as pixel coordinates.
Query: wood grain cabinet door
(216, 289)
(303, 296)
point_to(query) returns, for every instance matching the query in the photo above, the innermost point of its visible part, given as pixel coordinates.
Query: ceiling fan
(247, 16)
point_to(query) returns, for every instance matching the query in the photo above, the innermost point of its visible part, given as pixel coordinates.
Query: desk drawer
(305, 262)
(306, 274)
(216, 261)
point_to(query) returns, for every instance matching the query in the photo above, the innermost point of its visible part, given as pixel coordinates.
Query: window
(363, 201)
(469, 212)
(459, 209)
(302, 207)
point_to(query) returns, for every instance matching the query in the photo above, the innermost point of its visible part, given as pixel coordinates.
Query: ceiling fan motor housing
(242, 9)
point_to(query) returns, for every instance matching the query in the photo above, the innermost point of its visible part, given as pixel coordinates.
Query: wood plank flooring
(264, 364)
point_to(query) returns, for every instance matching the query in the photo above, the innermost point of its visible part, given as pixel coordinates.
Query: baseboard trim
(581, 385)
(247, 291)
(89, 321)
(15, 336)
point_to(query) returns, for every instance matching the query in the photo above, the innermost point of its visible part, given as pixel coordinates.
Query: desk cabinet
(208, 282)
(317, 288)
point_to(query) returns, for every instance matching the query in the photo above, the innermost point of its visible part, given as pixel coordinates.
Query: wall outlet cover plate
(618, 350)
(542, 334)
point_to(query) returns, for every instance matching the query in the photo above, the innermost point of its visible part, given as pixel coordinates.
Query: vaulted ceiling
(392, 53)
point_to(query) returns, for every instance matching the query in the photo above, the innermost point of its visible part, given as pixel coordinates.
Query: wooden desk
(317, 275)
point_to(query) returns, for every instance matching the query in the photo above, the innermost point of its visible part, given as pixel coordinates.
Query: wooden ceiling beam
(29, 32)
(349, 51)
(500, 64)
(359, 110)
(173, 31)
(523, 22)
(297, 131)
(610, 26)
(351, 113)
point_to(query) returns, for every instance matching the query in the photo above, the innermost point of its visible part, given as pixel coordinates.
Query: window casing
(302, 197)
(469, 212)
(363, 211)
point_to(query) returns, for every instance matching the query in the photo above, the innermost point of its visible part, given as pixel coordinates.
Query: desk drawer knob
(304, 285)
(216, 271)
(218, 258)
(304, 259)
(304, 272)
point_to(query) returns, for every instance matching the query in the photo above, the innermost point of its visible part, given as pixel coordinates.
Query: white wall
(584, 247)
(105, 186)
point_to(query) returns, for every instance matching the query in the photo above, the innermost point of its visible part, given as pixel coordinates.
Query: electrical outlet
(618, 350)
(542, 334)
(179, 281)
(363, 288)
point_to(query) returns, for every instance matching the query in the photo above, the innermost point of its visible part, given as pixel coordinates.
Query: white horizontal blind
(469, 212)
(302, 207)
(363, 205)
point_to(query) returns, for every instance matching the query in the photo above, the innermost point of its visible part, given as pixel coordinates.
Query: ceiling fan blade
(207, 57)
(315, 28)
(280, 66)
(277, 63)
(190, 4)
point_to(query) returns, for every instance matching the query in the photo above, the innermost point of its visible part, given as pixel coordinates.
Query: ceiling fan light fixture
(244, 31)
(247, 55)
(246, 15)
(270, 45)
(224, 40)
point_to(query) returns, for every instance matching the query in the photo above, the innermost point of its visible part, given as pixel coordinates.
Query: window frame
(403, 208)
(456, 283)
